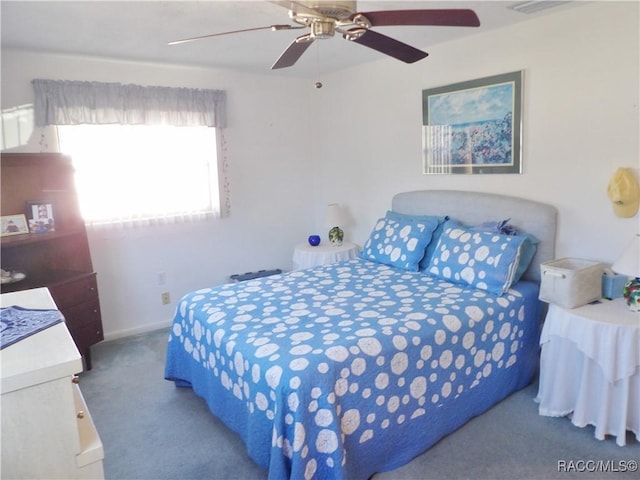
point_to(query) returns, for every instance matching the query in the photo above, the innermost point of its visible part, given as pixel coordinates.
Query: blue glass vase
(314, 240)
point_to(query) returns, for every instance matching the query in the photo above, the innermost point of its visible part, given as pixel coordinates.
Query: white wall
(581, 89)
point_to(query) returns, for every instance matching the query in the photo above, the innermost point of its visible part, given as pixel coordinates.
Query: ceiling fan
(325, 18)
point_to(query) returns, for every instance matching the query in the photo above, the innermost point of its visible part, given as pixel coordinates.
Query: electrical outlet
(166, 298)
(162, 278)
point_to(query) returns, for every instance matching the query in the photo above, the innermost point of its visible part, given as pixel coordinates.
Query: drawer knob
(75, 379)
(80, 414)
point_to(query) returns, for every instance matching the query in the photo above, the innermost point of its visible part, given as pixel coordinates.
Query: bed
(345, 370)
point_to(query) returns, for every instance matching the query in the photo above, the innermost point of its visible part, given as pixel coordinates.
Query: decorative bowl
(314, 240)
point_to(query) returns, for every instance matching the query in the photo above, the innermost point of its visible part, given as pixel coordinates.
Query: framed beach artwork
(473, 127)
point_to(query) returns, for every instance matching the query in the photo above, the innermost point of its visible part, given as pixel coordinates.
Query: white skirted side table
(306, 256)
(590, 367)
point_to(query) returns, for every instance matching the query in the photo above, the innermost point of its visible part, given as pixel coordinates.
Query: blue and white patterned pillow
(527, 252)
(399, 243)
(487, 261)
(441, 219)
(527, 249)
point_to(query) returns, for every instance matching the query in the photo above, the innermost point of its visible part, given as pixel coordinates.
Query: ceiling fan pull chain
(318, 83)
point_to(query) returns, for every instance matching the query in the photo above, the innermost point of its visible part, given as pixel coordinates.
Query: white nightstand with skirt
(590, 367)
(306, 256)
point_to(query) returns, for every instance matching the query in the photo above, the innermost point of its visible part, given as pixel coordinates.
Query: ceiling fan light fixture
(324, 18)
(323, 28)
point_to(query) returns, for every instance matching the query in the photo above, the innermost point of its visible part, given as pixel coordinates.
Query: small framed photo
(41, 217)
(13, 225)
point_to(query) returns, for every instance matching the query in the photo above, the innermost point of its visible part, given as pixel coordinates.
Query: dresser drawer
(85, 323)
(75, 291)
(91, 449)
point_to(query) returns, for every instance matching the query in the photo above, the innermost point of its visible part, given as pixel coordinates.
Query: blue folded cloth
(17, 323)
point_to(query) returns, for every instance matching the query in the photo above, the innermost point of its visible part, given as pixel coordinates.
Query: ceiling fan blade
(293, 52)
(441, 17)
(274, 28)
(386, 45)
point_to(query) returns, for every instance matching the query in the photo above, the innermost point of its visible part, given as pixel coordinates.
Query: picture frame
(473, 127)
(13, 225)
(41, 217)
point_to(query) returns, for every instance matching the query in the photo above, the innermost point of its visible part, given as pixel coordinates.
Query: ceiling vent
(535, 6)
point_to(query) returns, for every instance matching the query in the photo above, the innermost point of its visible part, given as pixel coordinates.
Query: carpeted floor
(152, 430)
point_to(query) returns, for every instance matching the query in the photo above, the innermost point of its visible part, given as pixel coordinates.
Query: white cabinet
(47, 430)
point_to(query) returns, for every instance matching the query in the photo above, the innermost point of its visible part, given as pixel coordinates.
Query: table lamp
(629, 264)
(334, 218)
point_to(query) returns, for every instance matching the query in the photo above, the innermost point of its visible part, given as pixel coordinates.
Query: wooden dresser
(47, 430)
(59, 258)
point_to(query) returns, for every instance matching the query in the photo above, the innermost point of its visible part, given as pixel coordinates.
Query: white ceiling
(140, 31)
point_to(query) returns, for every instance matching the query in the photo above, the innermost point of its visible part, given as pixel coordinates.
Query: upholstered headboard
(472, 208)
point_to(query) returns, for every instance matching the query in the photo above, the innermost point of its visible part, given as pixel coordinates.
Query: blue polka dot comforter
(345, 370)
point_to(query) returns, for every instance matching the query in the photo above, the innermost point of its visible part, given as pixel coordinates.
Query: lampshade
(629, 262)
(335, 216)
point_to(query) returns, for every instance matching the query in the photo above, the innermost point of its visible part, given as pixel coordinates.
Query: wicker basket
(571, 282)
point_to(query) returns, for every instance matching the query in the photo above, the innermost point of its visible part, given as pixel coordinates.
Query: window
(17, 126)
(143, 174)
(143, 154)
